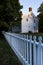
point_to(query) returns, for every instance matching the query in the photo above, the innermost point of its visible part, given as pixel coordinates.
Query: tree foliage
(10, 13)
(40, 17)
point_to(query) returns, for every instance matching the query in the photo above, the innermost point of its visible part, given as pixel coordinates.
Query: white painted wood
(39, 50)
(30, 50)
(19, 44)
(34, 51)
(31, 24)
(27, 49)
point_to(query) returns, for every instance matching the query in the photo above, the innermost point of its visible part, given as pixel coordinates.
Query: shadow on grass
(7, 56)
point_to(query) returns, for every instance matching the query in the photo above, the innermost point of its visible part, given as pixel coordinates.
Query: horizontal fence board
(28, 50)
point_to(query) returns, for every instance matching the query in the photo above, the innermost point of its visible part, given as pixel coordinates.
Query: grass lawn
(7, 56)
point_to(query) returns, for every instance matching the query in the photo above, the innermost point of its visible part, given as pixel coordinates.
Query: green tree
(40, 17)
(10, 13)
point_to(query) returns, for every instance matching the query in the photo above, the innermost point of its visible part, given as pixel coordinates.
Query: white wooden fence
(27, 49)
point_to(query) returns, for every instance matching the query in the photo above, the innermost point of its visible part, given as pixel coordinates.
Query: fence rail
(28, 50)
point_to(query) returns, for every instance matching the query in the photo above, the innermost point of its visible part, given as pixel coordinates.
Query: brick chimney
(30, 9)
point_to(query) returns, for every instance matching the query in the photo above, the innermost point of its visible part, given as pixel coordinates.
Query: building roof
(29, 14)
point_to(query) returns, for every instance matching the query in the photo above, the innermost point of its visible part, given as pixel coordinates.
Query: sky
(30, 3)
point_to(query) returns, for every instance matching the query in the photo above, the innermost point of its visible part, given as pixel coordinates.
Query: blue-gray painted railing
(28, 50)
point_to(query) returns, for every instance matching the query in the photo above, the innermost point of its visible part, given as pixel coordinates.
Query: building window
(26, 19)
(34, 21)
(28, 15)
(33, 16)
(29, 26)
(34, 27)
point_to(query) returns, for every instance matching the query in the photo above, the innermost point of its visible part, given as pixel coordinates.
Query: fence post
(30, 50)
(34, 51)
(27, 49)
(39, 50)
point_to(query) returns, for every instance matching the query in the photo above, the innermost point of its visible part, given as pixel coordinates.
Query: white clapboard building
(29, 22)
